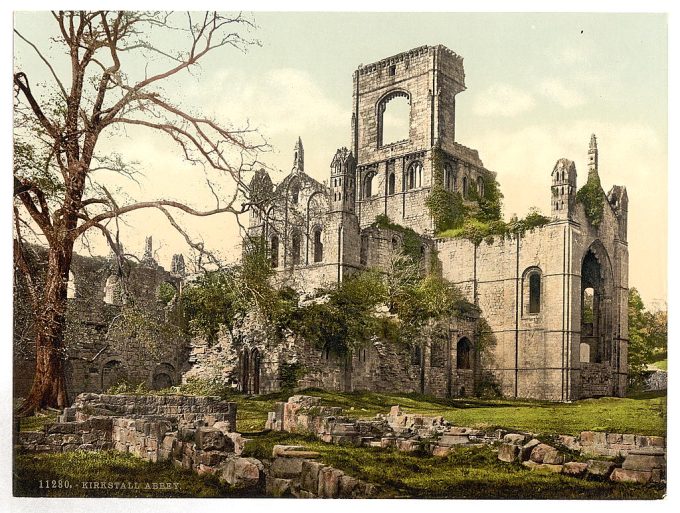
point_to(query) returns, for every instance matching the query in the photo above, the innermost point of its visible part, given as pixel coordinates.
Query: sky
(537, 86)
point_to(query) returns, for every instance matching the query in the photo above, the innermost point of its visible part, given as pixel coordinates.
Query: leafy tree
(58, 196)
(647, 337)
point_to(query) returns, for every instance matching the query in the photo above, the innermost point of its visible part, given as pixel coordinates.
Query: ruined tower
(563, 189)
(417, 90)
(342, 181)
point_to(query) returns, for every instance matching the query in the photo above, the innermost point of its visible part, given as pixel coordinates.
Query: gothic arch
(464, 354)
(532, 291)
(381, 107)
(597, 318)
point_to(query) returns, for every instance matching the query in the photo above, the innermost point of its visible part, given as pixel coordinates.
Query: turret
(299, 156)
(592, 156)
(563, 189)
(343, 168)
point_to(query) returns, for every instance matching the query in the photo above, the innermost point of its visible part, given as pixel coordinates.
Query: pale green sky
(537, 86)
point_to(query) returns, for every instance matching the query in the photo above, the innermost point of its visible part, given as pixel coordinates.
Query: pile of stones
(640, 466)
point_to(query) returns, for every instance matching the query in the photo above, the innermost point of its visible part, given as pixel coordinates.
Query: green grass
(78, 467)
(660, 364)
(641, 414)
(37, 422)
(466, 473)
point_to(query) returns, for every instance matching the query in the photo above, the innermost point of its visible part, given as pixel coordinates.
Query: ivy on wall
(411, 241)
(477, 218)
(591, 196)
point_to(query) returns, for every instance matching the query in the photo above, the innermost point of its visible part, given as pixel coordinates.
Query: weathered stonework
(546, 348)
(98, 354)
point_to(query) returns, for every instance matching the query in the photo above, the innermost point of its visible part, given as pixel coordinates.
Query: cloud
(631, 154)
(503, 100)
(563, 95)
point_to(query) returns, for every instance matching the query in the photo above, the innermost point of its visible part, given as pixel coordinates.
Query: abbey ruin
(530, 287)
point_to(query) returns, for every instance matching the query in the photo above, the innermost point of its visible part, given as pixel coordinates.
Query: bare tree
(57, 197)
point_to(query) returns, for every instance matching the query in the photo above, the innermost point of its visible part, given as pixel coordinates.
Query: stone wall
(427, 365)
(99, 355)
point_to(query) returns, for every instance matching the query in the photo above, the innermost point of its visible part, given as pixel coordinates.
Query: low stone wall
(640, 465)
(293, 472)
(90, 435)
(610, 444)
(185, 408)
(410, 432)
(195, 433)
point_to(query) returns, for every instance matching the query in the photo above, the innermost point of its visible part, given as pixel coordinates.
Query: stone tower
(563, 189)
(342, 181)
(415, 90)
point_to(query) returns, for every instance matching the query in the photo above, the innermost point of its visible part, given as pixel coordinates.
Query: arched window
(480, 186)
(463, 350)
(449, 178)
(465, 187)
(318, 245)
(414, 175)
(391, 184)
(295, 246)
(295, 193)
(274, 251)
(534, 293)
(368, 185)
(531, 294)
(71, 286)
(326, 352)
(395, 243)
(394, 118)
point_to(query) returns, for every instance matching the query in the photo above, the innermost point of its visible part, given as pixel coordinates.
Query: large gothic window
(318, 245)
(414, 175)
(394, 118)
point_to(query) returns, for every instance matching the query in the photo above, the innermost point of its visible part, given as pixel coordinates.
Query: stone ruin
(194, 433)
(644, 456)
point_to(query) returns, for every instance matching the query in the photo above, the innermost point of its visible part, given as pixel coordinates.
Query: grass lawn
(641, 414)
(466, 473)
(78, 467)
(660, 364)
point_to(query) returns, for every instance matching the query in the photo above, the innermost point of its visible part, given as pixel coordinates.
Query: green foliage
(289, 373)
(221, 298)
(477, 231)
(411, 241)
(166, 293)
(345, 317)
(592, 197)
(126, 387)
(448, 208)
(647, 335)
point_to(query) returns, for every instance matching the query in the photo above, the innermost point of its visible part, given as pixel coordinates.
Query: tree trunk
(49, 383)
